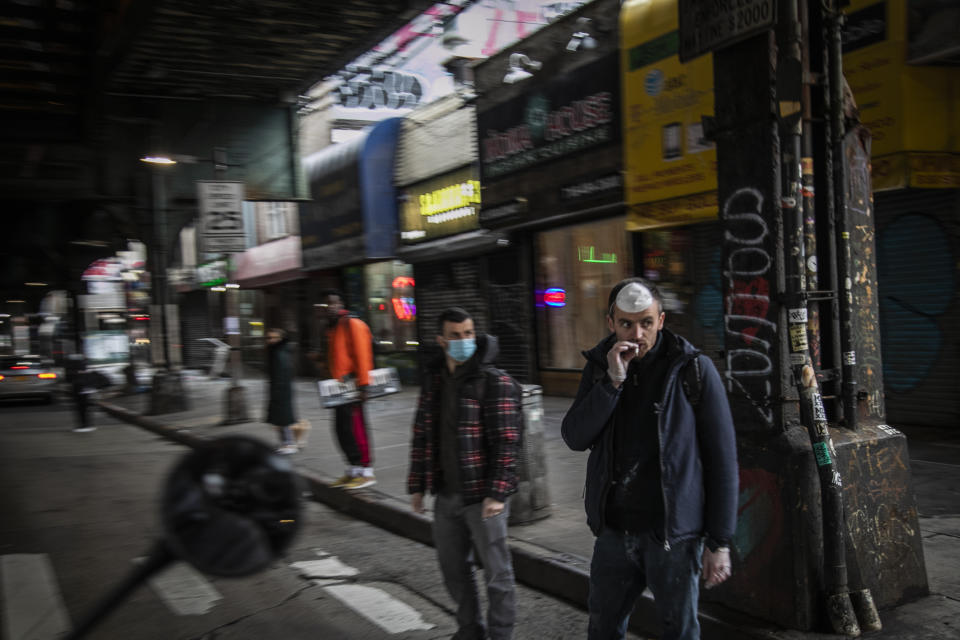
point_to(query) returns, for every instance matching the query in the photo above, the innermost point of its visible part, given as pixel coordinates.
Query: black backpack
(517, 394)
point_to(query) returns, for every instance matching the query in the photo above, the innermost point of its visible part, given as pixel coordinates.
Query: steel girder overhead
(65, 63)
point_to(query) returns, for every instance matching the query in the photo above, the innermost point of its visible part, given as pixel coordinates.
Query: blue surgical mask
(461, 350)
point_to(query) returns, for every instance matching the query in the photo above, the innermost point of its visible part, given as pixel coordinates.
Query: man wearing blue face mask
(465, 445)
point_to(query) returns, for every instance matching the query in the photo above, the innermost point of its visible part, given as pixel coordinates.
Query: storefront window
(576, 268)
(391, 308)
(684, 262)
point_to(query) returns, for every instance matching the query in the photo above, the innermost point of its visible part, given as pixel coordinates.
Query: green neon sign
(589, 254)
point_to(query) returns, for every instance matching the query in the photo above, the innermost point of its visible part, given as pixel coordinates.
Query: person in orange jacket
(350, 356)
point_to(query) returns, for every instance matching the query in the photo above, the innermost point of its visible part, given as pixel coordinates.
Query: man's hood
(676, 347)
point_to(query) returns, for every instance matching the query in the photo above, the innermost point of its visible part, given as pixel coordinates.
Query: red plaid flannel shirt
(488, 437)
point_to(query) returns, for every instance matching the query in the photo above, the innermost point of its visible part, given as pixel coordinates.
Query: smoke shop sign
(570, 114)
(441, 206)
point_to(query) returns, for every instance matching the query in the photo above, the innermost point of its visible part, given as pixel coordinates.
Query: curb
(560, 575)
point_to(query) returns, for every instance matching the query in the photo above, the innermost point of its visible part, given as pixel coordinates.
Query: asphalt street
(76, 497)
(84, 506)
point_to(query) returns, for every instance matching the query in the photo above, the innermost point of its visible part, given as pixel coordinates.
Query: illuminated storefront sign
(404, 306)
(557, 119)
(555, 297)
(670, 166)
(212, 274)
(456, 197)
(589, 254)
(442, 206)
(910, 109)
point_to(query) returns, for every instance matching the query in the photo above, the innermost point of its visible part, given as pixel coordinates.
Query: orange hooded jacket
(350, 350)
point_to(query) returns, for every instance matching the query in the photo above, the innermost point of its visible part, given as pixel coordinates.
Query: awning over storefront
(270, 263)
(353, 215)
(462, 245)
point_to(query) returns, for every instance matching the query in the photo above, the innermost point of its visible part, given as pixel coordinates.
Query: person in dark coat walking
(280, 404)
(82, 386)
(662, 480)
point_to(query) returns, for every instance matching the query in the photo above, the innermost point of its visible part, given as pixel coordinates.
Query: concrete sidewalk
(552, 554)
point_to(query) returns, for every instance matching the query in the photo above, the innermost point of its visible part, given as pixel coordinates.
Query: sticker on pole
(797, 315)
(819, 413)
(822, 454)
(798, 338)
(837, 480)
(850, 358)
(797, 359)
(887, 429)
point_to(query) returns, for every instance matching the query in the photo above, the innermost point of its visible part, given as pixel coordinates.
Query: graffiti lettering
(368, 88)
(750, 332)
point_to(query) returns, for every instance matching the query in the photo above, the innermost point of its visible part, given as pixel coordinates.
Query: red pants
(352, 434)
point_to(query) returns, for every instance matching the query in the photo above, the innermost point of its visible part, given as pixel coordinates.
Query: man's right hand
(416, 501)
(618, 359)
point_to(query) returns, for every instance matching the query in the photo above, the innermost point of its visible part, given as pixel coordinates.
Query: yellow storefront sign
(911, 111)
(671, 171)
(441, 206)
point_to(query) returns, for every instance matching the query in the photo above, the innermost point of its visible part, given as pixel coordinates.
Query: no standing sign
(221, 216)
(708, 25)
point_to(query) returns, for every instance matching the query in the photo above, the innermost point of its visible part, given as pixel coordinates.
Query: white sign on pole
(221, 216)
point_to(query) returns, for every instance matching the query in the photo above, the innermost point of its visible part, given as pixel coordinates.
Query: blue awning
(352, 217)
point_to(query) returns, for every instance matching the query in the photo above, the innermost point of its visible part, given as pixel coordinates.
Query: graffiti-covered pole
(845, 293)
(796, 475)
(813, 416)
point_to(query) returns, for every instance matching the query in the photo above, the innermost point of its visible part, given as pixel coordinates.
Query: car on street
(27, 376)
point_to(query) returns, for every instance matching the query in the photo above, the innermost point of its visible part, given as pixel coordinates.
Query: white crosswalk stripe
(379, 607)
(184, 590)
(373, 603)
(32, 604)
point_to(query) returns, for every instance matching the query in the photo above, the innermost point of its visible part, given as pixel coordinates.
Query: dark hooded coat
(698, 451)
(280, 374)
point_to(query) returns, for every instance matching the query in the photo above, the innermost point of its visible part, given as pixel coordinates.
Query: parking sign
(221, 216)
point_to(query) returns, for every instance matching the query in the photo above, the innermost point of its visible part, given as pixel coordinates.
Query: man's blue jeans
(624, 564)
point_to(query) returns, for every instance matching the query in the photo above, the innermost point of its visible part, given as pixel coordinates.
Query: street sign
(221, 216)
(709, 25)
(212, 274)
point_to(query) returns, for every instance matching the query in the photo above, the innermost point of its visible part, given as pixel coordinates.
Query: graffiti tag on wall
(751, 336)
(364, 87)
(858, 194)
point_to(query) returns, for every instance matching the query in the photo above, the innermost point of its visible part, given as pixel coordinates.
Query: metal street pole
(167, 394)
(235, 402)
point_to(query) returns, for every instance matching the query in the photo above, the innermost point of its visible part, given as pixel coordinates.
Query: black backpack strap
(692, 381)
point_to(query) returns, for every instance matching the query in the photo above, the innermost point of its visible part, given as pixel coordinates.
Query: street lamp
(167, 393)
(158, 159)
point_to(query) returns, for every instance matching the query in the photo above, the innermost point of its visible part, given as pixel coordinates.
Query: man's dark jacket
(488, 430)
(698, 453)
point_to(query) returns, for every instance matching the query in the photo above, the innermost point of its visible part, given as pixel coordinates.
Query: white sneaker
(288, 449)
(360, 482)
(84, 429)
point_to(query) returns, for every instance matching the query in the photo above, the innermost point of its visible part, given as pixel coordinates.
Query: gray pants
(456, 530)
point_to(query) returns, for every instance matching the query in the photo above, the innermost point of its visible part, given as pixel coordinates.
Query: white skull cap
(634, 298)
